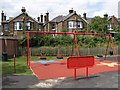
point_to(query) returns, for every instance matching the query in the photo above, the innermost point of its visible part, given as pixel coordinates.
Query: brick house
(16, 26)
(71, 22)
(113, 22)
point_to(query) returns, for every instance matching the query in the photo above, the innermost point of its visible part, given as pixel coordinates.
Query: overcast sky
(59, 7)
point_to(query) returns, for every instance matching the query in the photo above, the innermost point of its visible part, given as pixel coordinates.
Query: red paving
(59, 69)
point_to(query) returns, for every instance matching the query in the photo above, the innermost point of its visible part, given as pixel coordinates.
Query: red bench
(80, 62)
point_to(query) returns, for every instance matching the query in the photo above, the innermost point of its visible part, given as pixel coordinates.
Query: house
(113, 23)
(70, 22)
(16, 26)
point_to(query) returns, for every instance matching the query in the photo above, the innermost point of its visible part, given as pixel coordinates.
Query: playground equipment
(80, 62)
(74, 42)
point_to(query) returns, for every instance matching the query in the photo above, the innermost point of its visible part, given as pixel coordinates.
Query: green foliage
(64, 30)
(91, 41)
(117, 38)
(23, 41)
(38, 40)
(98, 24)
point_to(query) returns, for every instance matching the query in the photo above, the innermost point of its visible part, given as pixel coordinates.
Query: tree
(98, 24)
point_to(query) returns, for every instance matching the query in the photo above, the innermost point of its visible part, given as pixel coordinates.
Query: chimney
(23, 10)
(84, 16)
(5, 17)
(2, 16)
(71, 11)
(38, 18)
(106, 15)
(41, 17)
(47, 17)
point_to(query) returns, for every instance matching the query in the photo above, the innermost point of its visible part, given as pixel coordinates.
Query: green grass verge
(21, 65)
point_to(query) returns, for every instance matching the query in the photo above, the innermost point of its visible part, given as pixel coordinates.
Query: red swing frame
(75, 42)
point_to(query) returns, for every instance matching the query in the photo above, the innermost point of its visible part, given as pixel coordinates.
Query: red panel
(78, 62)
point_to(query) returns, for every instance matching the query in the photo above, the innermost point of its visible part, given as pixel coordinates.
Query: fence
(9, 45)
(66, 51)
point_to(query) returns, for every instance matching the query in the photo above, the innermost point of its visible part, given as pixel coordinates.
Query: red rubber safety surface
(59, 69)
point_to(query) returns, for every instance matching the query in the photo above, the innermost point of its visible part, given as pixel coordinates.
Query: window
(6, 28)
(110, 27)
(53, 26)
(80, 25)
(74, 24)
(71, 24)
(18, 26)
(29, 26)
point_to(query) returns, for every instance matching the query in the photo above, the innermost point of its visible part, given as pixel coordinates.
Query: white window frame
(72, 24)
(110, 26)
(17, 25)
(28, 25)
(80, 25)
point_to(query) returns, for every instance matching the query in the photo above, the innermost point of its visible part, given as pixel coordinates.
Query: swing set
(75, 42)
(78, 61)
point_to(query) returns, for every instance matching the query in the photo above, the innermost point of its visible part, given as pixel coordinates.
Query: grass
(21, 65)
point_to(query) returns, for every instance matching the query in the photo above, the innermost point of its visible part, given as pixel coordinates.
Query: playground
(72, 71)
(100, 80)
(73, 65)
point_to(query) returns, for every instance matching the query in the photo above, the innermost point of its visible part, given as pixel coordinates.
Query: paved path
(102, 80)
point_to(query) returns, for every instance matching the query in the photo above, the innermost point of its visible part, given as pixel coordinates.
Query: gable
(23, 16)
(76, 17)
(113, 20)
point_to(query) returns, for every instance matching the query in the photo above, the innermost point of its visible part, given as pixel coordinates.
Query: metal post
(77, 49)
(114, 51)
(74, 73)
(14, 63)
(107, 48)
(28, 50)
(86, 73)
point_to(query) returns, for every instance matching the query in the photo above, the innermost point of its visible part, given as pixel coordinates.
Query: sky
(34, 8)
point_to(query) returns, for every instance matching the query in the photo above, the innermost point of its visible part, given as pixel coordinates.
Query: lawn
(21, 65)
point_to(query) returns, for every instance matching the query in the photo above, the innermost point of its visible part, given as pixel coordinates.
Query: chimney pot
(47, 16)
(38, 19)
(23, 10)
(45, 19)
(71, 11)
(106, 15)
(84, 16)
(5, 17)
(41, 17)
(2, 16)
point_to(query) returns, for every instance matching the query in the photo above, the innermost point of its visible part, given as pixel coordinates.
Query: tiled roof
(58, 18)
(69, 15)
(13, 18)
(63, 18)
(89, 19)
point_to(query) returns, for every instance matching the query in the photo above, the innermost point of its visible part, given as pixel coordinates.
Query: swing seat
(59, 56)
(43, 57)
